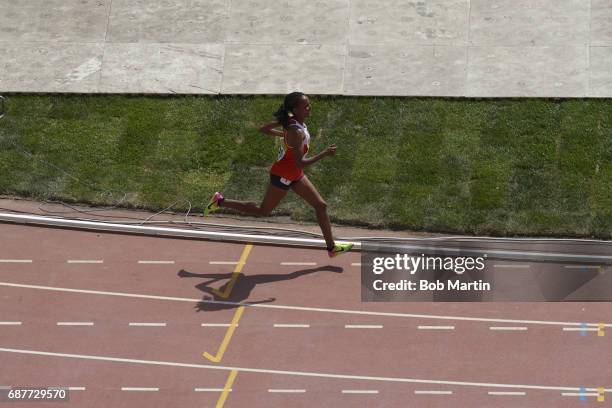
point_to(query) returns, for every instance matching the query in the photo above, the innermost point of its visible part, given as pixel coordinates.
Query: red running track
(316, 361)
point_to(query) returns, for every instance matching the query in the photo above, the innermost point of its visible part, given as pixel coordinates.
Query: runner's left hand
(331, 150)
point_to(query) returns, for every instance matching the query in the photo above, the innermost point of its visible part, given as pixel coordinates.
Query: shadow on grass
(242, 288)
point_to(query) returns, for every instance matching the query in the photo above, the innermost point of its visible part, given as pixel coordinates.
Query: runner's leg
(305, 189)
(273, 196)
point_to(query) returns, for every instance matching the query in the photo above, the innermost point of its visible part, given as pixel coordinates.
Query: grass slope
(500, 167)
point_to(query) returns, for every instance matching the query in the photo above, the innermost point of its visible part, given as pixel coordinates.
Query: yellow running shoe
(339, 249)
(213, 205)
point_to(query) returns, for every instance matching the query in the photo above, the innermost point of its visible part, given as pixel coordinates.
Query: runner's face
(302, 108)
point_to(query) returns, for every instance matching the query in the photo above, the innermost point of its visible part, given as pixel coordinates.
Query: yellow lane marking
(228, 289)
(600, 394)
(600, 329)
(226, 389)
(227, 338)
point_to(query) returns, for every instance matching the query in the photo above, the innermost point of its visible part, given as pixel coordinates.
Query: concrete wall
(490, 48)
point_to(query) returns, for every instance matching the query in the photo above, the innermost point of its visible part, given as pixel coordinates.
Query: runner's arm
(294, 139)
(271, 129)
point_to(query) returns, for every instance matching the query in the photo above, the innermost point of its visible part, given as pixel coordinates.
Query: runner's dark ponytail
(282, 114)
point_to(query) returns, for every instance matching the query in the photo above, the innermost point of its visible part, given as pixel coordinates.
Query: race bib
(281, 153)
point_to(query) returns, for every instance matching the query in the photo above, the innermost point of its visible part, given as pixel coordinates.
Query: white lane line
(298, 263)
(426, 392)
(436, 327)
(363, 326)
(217, 325)
(356, 264)
(148, 324)
(283, 391)
(75, 324)
(360, 391)
(210, 389)
(302, 308)
(15, 261)
(577, 394)
(67, 388)
(291, 325)
(579, 329)
(582, 266)
(223, 263)
(513, 393)
(508, 328)
(299, 373)
(511, 266)
(156, 262)
(85, 261)
(138, 389)
(10, 323)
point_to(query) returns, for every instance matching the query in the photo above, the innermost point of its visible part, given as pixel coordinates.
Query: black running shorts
(282, 182)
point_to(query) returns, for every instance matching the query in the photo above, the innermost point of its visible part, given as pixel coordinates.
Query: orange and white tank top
(285, 165)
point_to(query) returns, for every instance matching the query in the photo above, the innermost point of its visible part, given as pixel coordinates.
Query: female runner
(288, 170)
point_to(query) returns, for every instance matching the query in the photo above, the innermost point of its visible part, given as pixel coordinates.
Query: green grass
(498, 167)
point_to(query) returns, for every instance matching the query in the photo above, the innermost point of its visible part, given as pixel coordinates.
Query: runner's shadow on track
(243, 286)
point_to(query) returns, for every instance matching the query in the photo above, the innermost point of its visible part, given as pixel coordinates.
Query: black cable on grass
(11, 141)
(93, 186)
